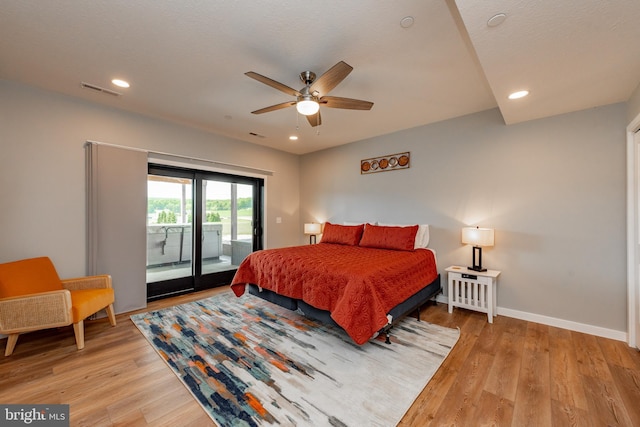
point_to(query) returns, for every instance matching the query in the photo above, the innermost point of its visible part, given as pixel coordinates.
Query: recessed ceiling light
(120, 83)
(496, 20)
(293, 138)
(519, 94)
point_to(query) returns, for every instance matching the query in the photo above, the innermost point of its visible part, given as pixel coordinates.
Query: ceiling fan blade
(274, 84)
(326, 82)
(346, 103)
(275, 107)
(314, 119)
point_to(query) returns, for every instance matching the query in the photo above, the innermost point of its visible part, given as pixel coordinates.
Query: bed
(364, 278)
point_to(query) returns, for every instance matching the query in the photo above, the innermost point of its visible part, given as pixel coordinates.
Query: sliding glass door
(228, 212)
(197, 248)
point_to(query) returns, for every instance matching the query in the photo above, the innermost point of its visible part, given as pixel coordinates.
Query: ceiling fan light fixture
(314, 93)
(307, 107)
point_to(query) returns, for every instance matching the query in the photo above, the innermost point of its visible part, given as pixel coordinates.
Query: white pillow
(422, 236)
(358, 223)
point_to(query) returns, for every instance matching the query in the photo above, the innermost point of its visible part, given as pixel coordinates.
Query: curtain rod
(183, 157)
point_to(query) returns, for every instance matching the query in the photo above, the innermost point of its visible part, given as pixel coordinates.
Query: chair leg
(111, 314)
(78, 330)
(12, 339)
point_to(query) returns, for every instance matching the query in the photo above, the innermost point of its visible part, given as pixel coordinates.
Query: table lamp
(312, 229)
(478, 237)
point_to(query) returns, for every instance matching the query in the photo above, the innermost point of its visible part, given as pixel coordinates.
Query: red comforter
(357, 285)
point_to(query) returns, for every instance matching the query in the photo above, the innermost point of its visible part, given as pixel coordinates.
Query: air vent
(256, 134)
(99, 89)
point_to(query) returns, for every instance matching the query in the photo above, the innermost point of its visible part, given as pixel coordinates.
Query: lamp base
(477, 259)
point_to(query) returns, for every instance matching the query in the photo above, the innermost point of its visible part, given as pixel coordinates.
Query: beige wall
(42, 171)
(553, 189)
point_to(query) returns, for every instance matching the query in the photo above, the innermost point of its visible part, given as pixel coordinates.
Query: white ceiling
(186, 60)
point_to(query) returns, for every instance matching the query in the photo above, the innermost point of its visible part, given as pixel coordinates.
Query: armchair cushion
(85, 302)
(28, 276)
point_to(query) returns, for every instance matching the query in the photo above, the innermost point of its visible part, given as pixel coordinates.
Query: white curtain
(116, 220)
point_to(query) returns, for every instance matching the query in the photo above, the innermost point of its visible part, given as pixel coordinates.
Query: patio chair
(32, 297)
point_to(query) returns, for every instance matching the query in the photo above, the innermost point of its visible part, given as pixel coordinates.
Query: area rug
(252, 363)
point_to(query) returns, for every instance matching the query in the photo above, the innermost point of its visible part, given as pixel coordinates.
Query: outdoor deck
(173, 271)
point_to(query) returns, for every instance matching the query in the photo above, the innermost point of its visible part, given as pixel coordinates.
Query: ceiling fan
(314, 93)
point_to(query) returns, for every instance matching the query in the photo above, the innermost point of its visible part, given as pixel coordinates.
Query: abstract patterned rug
(251, 363)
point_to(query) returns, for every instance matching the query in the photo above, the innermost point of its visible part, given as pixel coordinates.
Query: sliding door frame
(197, 281)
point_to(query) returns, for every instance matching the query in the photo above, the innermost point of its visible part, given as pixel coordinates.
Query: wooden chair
(32, 297)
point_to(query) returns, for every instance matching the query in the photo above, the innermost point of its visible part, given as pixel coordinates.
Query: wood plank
(492, 410)
(537, 338)
(533, 403)
(566, 386)
(590, 358)
(619, 353)
(436, 314)
(428, 402)
(489, 337)
(169, 405)
(627, 383)
(569, 416)
(606, 406)
(140, 394)
(98, 418)
(458, 406)
(502, 379)
(513, 326)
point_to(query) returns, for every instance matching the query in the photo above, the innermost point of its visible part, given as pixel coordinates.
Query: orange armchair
(32, 297)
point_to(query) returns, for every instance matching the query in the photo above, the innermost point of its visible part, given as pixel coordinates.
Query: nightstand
(474, 290)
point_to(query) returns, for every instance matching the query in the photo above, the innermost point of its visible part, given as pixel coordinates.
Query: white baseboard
(555, 322)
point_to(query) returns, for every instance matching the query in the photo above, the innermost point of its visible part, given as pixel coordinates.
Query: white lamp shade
(312, 228)
(307, 107)
(477, 236)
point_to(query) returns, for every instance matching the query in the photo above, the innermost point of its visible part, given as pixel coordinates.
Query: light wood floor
(509, 373)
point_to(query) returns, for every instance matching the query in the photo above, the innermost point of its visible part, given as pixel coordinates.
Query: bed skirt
(408, 306)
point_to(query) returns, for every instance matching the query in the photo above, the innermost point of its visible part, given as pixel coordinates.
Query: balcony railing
(172, 243)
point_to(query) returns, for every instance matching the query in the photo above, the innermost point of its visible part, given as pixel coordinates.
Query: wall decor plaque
(390, 162)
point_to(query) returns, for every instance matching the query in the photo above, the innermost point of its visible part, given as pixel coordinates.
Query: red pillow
(342, 234)
(387, 237)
